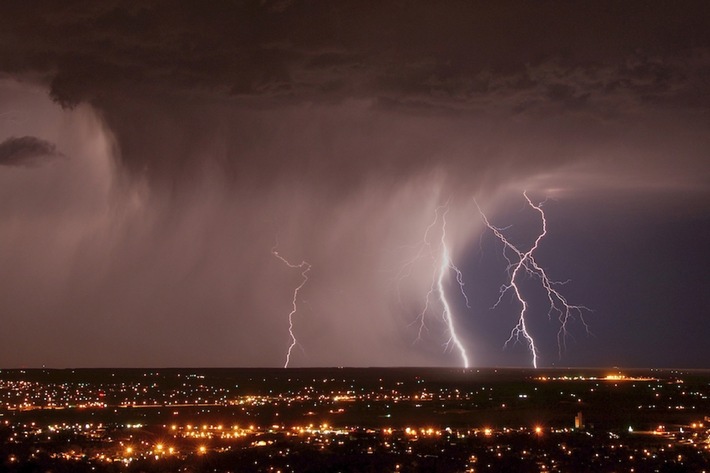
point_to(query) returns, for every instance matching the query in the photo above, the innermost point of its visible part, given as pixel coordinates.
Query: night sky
(153, 154)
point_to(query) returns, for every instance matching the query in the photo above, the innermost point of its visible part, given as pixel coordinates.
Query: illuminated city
(355, 419)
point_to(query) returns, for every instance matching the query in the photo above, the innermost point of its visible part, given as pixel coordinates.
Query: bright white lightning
(446, 266)
(527, 263)
(520, 329)
(305, 267)
(442, 265)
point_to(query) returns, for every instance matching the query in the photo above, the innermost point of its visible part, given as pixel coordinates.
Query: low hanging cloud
(171, 80)
(27, 151)
(201, 134)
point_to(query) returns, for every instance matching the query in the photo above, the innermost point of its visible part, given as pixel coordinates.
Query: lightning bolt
(442, 266)
(526, 264)
(446, 266)
(305, 267)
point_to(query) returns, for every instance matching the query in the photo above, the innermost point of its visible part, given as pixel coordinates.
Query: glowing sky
(152, 155)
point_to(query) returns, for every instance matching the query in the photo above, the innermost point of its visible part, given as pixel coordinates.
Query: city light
(446, 414)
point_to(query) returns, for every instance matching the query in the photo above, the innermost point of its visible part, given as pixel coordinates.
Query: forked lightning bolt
(526, 264)
(305, 267)
(442, 265)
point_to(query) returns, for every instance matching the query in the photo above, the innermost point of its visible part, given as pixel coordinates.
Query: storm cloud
(254, 68)
(202, 135)
(26, 151)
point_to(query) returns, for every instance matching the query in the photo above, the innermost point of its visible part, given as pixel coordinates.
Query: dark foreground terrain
(413, 419)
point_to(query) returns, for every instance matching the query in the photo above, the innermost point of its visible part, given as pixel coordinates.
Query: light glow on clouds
(147, 242)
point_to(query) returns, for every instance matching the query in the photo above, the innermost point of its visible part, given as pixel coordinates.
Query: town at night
(354, 419)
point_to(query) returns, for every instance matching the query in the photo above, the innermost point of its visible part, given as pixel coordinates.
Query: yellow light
(203, 449)
(487, 432)
(129, 450)
(159, 447)
(538, 430)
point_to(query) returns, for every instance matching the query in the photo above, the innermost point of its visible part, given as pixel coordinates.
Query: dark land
(354, 419)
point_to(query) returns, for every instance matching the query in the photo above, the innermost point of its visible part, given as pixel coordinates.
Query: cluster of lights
(609, 377)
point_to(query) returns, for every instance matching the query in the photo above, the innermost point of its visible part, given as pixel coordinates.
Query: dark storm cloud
(408, 50)
(26, 151)
(154, 67)
(199, 132)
